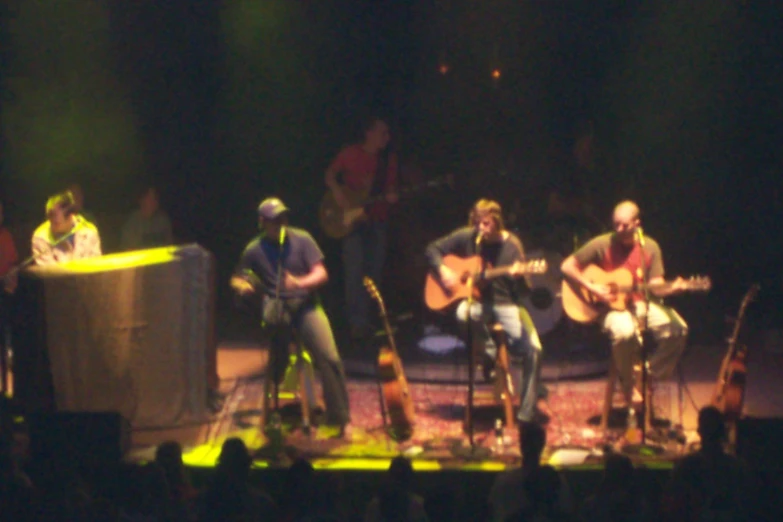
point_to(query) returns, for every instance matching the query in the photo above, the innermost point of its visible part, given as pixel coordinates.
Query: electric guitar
(438, 297)
(338, 222)
(583, 306)
(396, 394)
(729, 393)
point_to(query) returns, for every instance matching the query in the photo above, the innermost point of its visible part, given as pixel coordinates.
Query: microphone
(282, 235)
(640, 233)
(479, 237)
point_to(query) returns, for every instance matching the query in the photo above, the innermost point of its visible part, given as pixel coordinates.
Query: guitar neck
(389, 333)
(496, 272)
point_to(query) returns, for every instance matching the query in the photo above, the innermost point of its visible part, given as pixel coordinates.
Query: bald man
(623, 248)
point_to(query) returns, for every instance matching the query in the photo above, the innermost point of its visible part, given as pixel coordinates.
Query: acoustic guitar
(583, 306)
(729, 393)
(338, 222)
(396, 394)
(438, 297)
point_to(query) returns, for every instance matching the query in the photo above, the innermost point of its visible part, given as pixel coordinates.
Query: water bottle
(499, 442)
(632, 434)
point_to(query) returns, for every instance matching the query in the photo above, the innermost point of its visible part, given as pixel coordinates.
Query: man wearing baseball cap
(285, 265)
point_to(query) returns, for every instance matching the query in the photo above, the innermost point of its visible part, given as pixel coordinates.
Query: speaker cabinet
(91, 439)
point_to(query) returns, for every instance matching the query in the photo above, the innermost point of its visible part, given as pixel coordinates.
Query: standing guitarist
(623, 249)
(366, 167)
(499, 300)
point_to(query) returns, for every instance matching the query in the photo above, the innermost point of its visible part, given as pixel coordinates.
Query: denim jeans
(523, 343)
(364, 254)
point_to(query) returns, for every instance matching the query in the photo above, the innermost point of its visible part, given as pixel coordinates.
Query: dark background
(674, 104)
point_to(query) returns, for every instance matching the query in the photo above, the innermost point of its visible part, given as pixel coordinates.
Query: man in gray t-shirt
(285, 265)
(627, 249)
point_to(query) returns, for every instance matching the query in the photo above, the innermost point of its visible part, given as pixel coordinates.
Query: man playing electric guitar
(369, 168)
(499, 299)
(623, 249)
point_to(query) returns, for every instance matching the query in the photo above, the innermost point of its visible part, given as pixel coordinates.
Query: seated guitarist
(500, 297)
(623, 249)
(366, 167)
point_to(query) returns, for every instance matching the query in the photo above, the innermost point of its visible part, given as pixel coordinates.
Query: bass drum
(544, 302)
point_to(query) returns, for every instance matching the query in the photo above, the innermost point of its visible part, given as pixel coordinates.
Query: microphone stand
(643, 448)
(471, 452)
(276, 335)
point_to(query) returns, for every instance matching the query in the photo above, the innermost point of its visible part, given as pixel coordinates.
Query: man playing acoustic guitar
(617, 252)
(370, 169)
(499, 299)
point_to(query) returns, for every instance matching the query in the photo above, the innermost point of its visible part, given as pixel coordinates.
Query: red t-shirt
(611, 255)
(358, 170)
(8, 255)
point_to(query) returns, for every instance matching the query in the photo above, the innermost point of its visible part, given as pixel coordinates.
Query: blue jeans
(364, 254)
(523, 343)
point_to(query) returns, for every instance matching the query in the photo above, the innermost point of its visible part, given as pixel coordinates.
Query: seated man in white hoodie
(65, 235)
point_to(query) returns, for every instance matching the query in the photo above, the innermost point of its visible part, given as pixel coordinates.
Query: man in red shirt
(369, 167)
(8, 260)
(624, 248)
(8, 254)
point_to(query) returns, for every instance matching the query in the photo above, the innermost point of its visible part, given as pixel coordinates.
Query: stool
(298, 382)
(611, 381)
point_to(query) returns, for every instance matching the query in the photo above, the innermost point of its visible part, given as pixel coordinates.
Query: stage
(439, 392)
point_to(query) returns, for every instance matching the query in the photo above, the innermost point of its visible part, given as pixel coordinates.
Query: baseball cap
(271, 208)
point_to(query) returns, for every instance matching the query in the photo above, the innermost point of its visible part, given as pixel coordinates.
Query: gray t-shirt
(300, 253)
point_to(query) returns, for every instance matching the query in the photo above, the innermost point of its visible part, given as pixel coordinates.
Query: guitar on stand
(396, 398)
(729, 393)
(338, 222)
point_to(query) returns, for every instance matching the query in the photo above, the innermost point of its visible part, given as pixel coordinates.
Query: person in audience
(148, 497)
(395, 502)
(543, 488)
(230, 496)
(508, 495)
(709, 484)
(65, 235)
(618, 497)
(169, 457)
(148, 226)
(312, 507)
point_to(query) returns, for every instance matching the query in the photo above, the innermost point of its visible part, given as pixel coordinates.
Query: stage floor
(439, 394)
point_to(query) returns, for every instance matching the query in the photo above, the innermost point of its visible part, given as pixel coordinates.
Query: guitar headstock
(369, 284)
(698, 283)
(750, 295)
(534, 266)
